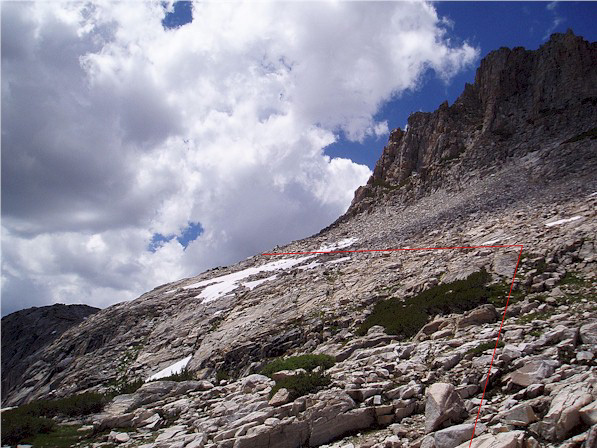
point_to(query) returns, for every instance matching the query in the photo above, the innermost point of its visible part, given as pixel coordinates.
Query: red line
(438, 248)
(389, 250)
(496, 345)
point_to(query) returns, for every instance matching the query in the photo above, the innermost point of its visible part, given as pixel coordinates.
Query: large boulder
(519, 415)
(534, 372)
(443, 406)
(588, 414)
(588, 333)
(482, 315)
(511, 439)
(564, 412)
(452, 436)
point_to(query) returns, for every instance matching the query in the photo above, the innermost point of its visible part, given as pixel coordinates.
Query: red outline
(438, 248)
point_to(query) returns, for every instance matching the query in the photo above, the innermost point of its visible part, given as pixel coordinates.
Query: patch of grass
(16, 426)
(307, 362)
(302, 384)
(535, 333)
(62, 437)
(484, 346)
(222, 375)
(572, 279)
(539, 315)
(33, 418)
(591, 133)
(407, 317)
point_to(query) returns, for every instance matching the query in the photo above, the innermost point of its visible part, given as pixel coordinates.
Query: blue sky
(140, 146)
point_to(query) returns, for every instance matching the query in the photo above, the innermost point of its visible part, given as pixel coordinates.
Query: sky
(144, 142)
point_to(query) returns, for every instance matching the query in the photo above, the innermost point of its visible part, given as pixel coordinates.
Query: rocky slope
(26, 332)
(512, 162)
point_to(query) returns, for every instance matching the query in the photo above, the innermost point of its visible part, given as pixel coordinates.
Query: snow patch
(342, 244)
(311, 265)
(177, 367)
(255, 283)
(562, 221)
(218, 287)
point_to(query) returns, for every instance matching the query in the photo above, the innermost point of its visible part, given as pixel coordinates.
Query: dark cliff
(519, 97)
(26, 332)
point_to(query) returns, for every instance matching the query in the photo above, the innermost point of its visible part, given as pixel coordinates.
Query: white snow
(177, 367)
(562, 221)
(218, 287)
(593, 194)
(339, 260)
(311, 265)
(490, 242)
(342, 244)
(256, 283)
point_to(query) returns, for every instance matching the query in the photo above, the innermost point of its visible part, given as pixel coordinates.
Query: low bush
(407, 317)
(34, 418)
(301, 384)
(307, 362)
(483, 346)
(17, 426)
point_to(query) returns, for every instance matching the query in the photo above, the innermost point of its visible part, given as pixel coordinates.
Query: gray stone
(443, 405)
(520, 415)
(282, 396)
(533, 372)
(588, 333)
(588, 414)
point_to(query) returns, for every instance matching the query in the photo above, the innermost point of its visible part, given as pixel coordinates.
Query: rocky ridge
(533, 186)
(26, 332)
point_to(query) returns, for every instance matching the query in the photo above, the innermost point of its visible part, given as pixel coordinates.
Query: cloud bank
(115, 129)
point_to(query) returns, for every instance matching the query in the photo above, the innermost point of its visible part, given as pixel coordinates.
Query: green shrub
(483, 346)
(407, 317)
(65, 436)
(307, 362)
(33, 418)
(222, 375)
(126, 387)
(572, 279)
(301, 384)
(17, 426)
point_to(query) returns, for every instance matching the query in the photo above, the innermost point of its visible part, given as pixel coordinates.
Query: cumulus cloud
(115, 129)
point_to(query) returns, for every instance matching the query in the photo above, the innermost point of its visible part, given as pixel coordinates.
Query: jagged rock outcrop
(26, 332)
(512, 162)
(519, 99)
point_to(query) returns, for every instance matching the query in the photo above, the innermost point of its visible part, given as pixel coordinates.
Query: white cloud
(114, 129)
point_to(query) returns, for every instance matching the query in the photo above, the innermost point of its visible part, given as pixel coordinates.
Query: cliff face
(511, 162)
(519, 100)
(26, 332)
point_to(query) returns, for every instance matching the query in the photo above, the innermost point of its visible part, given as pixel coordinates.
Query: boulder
(564, 412)
(254, 382)
(588, 333)
(330, 427)
(519, 415)
(511, 439)
(282, 396)
(482, 315)
(118, 437)
(533, 372)
(588, 414)
(452, 436)
(443, 405)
